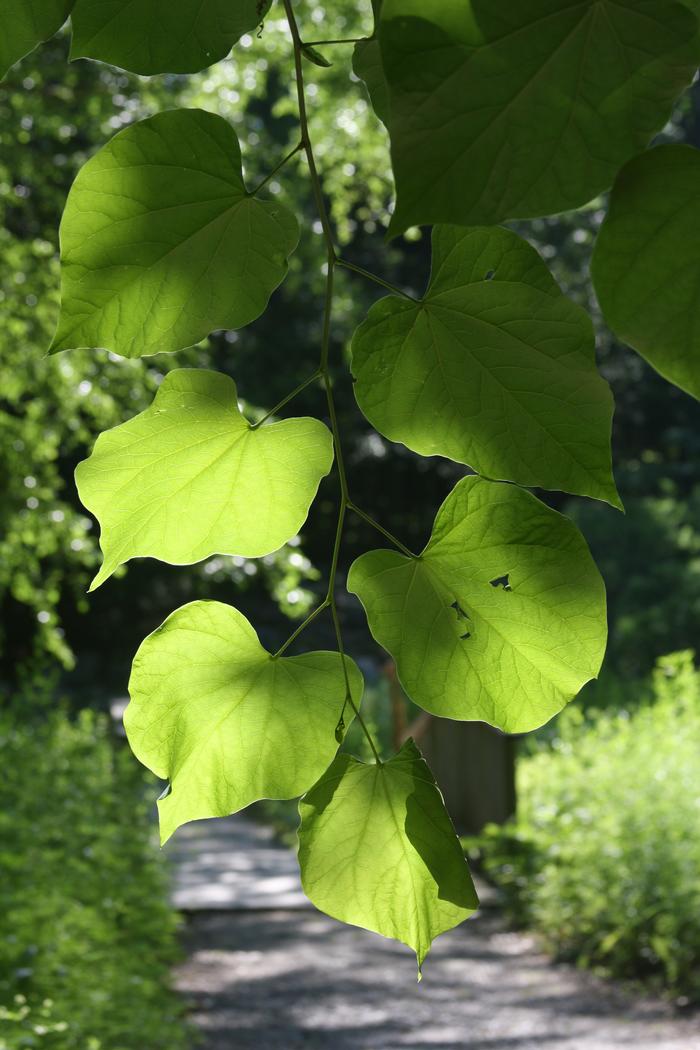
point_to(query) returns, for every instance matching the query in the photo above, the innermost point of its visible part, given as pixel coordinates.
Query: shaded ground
(291, 978)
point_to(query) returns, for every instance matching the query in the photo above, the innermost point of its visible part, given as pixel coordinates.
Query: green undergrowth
(87, 937)
(603, 857)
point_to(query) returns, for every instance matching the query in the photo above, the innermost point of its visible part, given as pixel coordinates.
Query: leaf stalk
(285, 400)
(268, 178)
(340, 40)
(380, 528)
(377, 280)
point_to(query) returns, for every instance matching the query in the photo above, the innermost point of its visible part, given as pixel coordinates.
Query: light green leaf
(511, 110)
(162, 36)
(646, 263)
(25, 24)
(161, 243)
(191, 477)
(501, 619)
(224, 721)
(377, 849)
(494, 368)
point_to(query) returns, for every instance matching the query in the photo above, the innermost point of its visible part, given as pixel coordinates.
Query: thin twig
(317, 190)
(380, 528)
(292, 153)
(342, 40)
(302, 627)
(377, 280)
(287, 399)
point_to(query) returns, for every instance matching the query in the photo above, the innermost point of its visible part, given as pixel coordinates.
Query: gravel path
(258, 977)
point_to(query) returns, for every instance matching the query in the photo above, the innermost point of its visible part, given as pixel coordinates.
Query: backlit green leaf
(162, 36)
(510, 110)
(224, 721)
(501, 619)
(191, 477)
(494, 368)
(25, 23)
(646, 264)
(161, 243)
(377, 849)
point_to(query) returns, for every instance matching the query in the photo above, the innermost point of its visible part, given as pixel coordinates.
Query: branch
(317, 190)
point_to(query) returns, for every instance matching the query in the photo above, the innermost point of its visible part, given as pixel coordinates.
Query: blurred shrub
(603, 857)
(87, 935)
(650, 561)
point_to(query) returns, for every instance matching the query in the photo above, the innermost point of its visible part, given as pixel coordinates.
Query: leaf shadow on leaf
(322, 793)
(449, 878)
(186, 249)
(435, 843)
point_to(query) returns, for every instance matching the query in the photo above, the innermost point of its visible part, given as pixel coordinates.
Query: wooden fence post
(473, 763)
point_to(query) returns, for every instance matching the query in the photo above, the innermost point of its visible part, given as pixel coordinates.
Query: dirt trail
(260, 976)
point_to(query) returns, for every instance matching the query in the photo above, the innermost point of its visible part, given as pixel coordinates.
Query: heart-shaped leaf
(505, 110)
(377, 849)
(158, 36)
(646, 264)
(161, 243)
(494, 368)
(224, 721)
(502, 617)
(25, 23)
(191, 477)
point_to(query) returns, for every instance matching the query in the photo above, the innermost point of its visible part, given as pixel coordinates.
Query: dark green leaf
(315, 56)
(502, 110)
(367, 65)
(162, 36)
(646, 264)
(25, 23)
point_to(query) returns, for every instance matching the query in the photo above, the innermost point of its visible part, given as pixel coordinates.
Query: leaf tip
(616, 501)
(97, 582)
(420, 959)
(104, 573)
(167, 826)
